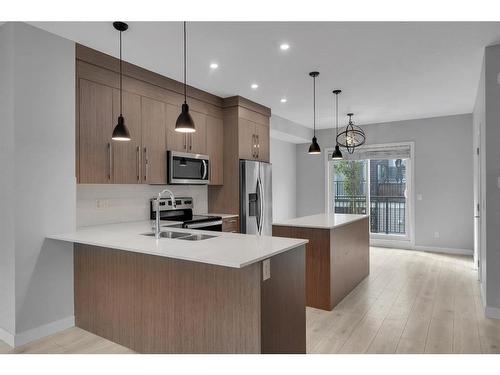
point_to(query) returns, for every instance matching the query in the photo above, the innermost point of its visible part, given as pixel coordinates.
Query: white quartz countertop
(227, 249)
(321, 221)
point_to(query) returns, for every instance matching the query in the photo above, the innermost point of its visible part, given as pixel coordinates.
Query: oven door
(190, 169)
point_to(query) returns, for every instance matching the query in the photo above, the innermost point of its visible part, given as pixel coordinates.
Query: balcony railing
(387, 205)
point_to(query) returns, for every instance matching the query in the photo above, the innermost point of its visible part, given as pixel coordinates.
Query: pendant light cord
(336, 118)
(121, 76)
(314, 105)
(185, 63)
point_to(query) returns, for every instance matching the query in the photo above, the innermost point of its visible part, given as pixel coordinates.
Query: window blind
(378, 152)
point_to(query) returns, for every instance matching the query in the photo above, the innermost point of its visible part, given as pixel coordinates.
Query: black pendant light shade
(120, 132)
(185, 123)
(337, 154)
(314, 148)
(352, 137)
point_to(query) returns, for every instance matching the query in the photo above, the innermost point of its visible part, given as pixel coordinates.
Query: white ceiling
(387, 71)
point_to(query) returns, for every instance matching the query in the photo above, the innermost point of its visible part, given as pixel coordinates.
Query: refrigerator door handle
(258, 215)
(261, 197)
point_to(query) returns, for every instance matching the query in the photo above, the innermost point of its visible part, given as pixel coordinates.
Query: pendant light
(185, 123)
(352, 137)
(314, 148)
(120, 132)
(337, 154)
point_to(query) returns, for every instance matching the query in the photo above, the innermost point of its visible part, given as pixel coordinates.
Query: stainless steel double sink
(182, 235)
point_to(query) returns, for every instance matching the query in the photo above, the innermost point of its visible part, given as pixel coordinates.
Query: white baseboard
(42, 331)
(492, 312)
(7, 337)
(445, 250)
(407, 245)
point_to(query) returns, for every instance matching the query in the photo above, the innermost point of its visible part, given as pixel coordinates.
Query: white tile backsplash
(104, 204)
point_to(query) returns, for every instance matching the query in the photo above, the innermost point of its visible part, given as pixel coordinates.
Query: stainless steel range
(183, 211)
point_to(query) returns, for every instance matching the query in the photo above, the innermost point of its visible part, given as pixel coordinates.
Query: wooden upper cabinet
(215, 149)
(262, 132)
(175, 141)
(197, 141)
(95, 128)
(154, 139)
(126, 155)
(246, 139)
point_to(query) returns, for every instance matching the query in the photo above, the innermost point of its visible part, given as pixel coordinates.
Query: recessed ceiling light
(284, 46)
(254, 86)
(214, 66)
(283, 100)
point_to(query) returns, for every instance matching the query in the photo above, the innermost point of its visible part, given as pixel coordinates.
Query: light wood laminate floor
(412, 302)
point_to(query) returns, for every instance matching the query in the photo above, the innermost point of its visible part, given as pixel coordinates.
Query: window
(375, 180)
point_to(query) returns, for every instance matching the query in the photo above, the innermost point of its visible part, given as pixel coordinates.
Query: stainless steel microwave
(188, 169)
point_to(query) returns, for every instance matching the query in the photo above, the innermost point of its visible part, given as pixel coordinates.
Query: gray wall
(283, 157)
(492, 176)
(443, 176)
(44, 185)
(7, 290)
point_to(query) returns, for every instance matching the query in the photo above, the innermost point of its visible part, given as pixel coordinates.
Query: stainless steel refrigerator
(256, 201)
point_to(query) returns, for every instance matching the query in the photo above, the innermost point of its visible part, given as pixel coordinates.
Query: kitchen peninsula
(337, 255)
(223, 293)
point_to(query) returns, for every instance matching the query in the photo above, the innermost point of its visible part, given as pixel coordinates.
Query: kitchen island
(337, 255)
(231, 293)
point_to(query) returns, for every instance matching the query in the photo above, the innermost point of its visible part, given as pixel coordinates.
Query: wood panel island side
(337, 255)
(177, 296)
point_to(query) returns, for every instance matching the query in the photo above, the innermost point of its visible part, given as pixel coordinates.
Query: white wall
(283, 158)
(119, 203)
(42, 200)
(7, 257)
(479, 175)
(492, 179)
(443, 176)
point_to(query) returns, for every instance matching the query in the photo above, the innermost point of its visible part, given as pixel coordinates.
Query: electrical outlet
(436, 234)
(266, 269)
(419, 197)
(101, 204)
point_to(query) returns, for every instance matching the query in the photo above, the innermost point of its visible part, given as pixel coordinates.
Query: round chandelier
(352, 137)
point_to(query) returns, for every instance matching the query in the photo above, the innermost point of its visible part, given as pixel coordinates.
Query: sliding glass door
(375, 182)
(388, 213)
(350, 187)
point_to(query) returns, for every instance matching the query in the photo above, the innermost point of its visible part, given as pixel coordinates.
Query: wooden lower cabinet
(231, 224)
(155, 304)
(337, 260)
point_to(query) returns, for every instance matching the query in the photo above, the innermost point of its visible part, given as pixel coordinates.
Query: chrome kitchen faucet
(157, 218)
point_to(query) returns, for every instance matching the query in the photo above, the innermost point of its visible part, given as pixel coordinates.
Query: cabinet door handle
(138, 164)
(190, 142)
(253, 145)
(258, 145)
(146, 164)
(110, 162)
